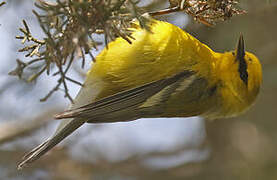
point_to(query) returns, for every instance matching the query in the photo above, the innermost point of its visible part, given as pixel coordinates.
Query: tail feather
(43, 148)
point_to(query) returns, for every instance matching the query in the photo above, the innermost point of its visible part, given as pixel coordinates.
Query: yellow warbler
(165, 72)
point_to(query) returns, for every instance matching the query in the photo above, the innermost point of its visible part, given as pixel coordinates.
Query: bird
(163, 72)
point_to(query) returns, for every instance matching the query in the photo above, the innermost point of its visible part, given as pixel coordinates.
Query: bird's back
(158, 54)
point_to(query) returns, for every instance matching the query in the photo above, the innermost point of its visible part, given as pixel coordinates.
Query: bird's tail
(43, 148)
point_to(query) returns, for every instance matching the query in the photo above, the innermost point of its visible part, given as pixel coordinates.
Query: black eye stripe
(243, 71)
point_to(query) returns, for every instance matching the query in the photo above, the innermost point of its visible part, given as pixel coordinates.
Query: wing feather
(126, 99)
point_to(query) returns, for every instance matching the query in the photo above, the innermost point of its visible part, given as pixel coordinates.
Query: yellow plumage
(166, 51)
(152, 56)
(165, 72)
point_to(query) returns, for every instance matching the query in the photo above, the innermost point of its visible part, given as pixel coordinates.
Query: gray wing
(125, 100)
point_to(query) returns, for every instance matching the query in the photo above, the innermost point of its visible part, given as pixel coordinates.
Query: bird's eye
(250, 60)
(233, 53)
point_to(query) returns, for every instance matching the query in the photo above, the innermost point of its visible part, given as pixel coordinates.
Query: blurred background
(191, 148)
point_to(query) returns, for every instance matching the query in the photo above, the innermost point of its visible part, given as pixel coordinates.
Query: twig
(68, 27)
(2, 3)
(207, 12)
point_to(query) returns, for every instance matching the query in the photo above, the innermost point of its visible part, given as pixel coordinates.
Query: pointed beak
(240, 49)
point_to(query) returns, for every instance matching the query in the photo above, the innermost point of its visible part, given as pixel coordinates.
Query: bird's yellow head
(241, 74)
(249, 70)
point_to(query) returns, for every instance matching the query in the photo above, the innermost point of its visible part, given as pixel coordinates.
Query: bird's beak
(240, 49)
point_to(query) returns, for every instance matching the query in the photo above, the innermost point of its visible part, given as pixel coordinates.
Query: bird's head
(240, 72)
(249, 70)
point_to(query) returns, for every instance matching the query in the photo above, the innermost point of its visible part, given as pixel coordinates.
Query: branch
(207, 12)
(2, 3)
(68, 27)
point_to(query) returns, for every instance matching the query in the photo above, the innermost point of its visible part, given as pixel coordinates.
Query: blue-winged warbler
(164, 72)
